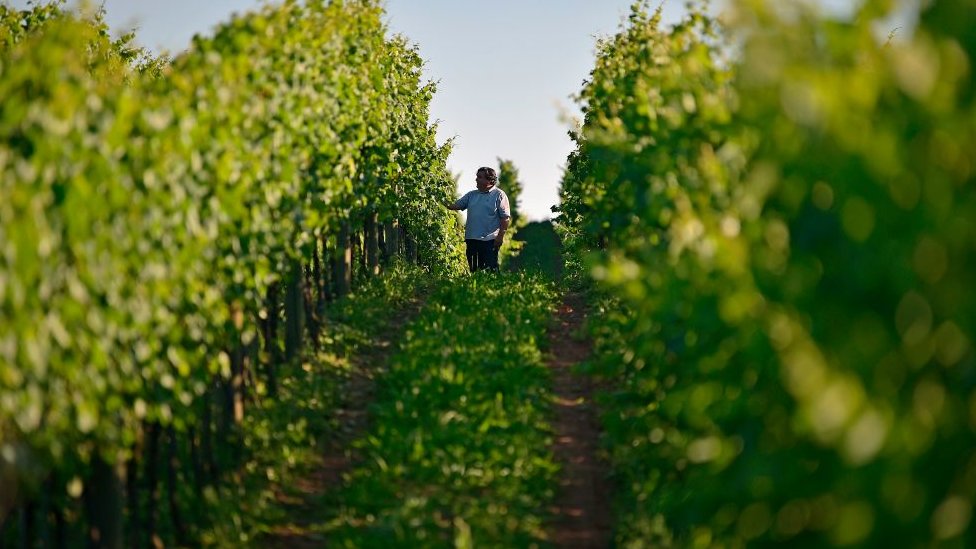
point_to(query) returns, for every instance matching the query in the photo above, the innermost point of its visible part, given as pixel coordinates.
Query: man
(488, 218)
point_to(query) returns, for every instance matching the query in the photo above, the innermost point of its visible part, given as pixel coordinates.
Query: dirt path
(338, 458)
(582, 506)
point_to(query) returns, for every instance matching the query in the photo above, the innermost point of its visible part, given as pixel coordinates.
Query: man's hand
(503, 226)
(449, 205)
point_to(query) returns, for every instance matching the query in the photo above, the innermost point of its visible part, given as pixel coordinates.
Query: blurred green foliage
(148, 205)
(784, 235)
(541, 250)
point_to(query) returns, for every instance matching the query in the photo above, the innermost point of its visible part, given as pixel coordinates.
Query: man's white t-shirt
(485, 212)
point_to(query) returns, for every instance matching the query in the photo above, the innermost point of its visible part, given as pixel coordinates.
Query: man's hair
(489, 173)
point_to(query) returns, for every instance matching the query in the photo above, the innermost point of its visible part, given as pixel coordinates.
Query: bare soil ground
(581, 510)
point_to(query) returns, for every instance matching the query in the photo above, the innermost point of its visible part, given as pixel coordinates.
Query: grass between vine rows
(458, 453)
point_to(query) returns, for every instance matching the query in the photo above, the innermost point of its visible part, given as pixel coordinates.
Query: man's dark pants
(482, 254)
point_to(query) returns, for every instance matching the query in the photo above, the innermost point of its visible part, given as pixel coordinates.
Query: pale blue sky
(506, 69)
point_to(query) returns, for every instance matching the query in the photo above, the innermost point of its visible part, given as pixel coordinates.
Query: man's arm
(503, 224)
(458, 205)
(504, 218)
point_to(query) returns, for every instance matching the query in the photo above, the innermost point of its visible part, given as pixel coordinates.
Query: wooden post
(392, 231)
(60, 528)
(324, 286)
(315, 283)
(206, 437)
(25, 518)
(103, 502)
(372, 244)
(361, 260)
(342, 261)
(354, 256)
(381, 238)
(152, 481)
(44, 511)
(237, 366)
(199, 472)
(8, 504)
(294, 312)
(308, 302)
(172, 466)
(225, 419)
(132, 491)
(411, 244)
(271, 338)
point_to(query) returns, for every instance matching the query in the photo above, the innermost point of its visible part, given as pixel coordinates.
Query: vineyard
(235, 312)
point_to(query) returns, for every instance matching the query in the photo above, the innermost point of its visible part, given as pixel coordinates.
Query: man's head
(486, 179)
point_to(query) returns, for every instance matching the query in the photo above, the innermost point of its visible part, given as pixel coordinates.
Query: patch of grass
(459, 450)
